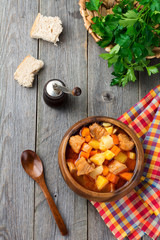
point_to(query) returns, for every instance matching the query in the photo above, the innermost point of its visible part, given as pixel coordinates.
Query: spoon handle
(52, 205)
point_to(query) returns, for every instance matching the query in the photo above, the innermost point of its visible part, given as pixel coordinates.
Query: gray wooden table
(27, 123)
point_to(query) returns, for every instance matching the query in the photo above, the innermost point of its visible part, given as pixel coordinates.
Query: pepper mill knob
(55, 92)
(76, 91)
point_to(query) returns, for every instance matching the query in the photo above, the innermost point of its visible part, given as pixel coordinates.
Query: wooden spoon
(34, 168)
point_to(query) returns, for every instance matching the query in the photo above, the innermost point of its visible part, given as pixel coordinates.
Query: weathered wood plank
(17, 121)
(99, 77)
(67, 62)
(146, 84)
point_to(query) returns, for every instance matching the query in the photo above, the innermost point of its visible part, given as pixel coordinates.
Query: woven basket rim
(87, 18)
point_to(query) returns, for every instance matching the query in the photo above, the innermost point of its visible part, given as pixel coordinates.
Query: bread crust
(35, 24)
(26, 70)
(28, 56)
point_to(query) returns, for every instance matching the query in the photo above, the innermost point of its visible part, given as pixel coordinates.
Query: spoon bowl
(33, 166)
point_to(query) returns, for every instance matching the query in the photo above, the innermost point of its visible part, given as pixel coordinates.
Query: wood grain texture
(67, 62)
(17, 121)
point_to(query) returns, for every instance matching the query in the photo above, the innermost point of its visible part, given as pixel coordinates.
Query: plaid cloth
(138, 213)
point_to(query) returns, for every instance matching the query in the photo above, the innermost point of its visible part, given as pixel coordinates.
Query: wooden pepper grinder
(55, 92)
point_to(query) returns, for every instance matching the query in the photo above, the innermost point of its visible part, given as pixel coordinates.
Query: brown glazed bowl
(91, 195)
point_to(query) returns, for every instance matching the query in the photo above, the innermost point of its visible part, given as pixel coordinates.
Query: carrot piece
(93, 152)
(105, 170)
(115, 150)
(86, 148)
(115, 139)
(85, 131)
(88, 138)
(84, 154)
(131, 163)
(126, 175)
(112, 178)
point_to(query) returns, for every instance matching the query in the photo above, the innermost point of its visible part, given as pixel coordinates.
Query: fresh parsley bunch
(134, 33)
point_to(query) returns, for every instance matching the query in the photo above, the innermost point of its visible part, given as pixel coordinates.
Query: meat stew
(101, 157)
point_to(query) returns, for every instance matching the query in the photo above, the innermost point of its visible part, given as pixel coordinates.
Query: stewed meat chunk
(83, 167)
(116, 167)
(76, 142)
(125, 143)
(97, 131)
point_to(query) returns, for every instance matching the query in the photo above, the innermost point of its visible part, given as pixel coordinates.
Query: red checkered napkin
(138, 213)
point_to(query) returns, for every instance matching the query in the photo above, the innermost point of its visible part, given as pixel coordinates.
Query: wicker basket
(105, 9)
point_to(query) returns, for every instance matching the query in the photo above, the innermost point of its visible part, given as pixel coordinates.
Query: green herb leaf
(105, 56)
(143, 2)
(129, 19)
(105, 42)
(100, 29)
(125, 80)
(131, 74)
(112, 60)
(155, 5)
(115, 81)
(123, 40)
(152, 70)
(93, 5)
(131, 31)
(126, 53)
(119, 67)
(137, 49)
(115, 49)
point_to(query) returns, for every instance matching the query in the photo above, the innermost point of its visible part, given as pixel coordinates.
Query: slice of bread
(26, 71)
(46, 28)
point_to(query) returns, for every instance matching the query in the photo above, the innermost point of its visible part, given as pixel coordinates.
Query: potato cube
(131, 155)
(108, 155)
(105, 124)
(98, 158)
(94, 144)
(101, 182)
(97, 171)
(109, 130)
(106, 143)
(121, 157)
